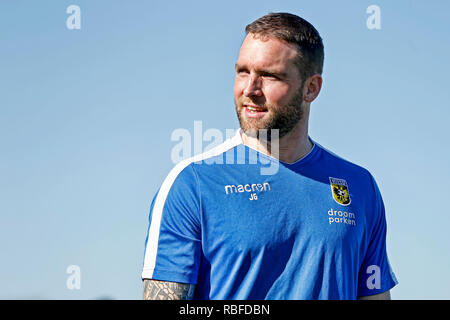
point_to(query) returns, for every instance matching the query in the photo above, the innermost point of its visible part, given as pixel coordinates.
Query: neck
(290, 148)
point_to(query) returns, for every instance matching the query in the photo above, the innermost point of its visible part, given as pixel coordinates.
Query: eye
(270, 76)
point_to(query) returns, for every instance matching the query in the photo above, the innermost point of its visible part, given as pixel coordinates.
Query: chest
(249, 215)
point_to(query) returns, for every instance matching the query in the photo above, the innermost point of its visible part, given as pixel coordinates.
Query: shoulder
(187, 169)
(361, 182)
(345, 166)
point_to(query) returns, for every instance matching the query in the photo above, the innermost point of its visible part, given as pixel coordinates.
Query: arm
(375, 277)
(166, 290)
(381, 296)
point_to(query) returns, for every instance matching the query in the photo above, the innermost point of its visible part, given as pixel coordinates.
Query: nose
(253, 87)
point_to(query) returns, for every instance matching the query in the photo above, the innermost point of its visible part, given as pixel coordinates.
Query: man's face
(267, 88)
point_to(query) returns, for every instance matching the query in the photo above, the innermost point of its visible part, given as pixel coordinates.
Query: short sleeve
(375, 273)
(173, 244)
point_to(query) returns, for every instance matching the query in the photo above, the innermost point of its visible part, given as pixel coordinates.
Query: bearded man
(314, 229)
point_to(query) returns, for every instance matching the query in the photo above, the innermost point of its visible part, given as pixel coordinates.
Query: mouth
(253, 111)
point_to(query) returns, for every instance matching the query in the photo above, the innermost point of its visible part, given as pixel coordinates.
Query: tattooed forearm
(165, 290)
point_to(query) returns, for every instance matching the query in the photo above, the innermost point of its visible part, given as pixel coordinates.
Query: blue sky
(86, 118)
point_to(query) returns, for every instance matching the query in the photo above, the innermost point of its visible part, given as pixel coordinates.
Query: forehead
(266, 53)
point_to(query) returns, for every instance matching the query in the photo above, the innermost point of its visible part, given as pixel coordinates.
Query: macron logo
(254, 187)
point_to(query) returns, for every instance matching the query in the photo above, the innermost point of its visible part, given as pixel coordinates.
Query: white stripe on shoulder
(153, 236)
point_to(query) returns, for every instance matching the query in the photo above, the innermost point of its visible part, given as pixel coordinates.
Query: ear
(312, 88)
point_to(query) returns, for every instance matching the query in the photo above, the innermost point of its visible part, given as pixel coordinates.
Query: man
(315, 229)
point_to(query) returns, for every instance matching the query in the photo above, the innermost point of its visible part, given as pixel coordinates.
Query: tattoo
(165, 290)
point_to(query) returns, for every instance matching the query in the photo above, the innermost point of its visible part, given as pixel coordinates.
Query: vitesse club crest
(339, 189)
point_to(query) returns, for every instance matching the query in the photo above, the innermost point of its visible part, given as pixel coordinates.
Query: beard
(283, 119)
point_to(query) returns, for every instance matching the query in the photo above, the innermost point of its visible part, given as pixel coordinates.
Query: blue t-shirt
(313, 229)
